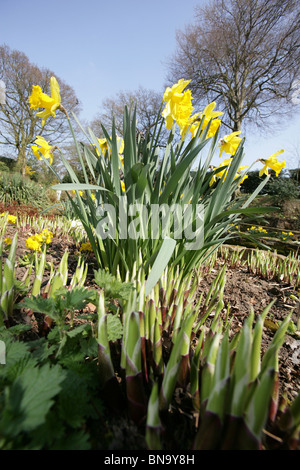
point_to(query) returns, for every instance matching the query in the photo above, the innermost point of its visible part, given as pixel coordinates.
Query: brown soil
(244, 291)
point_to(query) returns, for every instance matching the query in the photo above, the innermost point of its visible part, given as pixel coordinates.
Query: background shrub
(16, 189)
(281, 188)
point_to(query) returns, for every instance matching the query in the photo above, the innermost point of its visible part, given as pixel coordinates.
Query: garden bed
(243, 291)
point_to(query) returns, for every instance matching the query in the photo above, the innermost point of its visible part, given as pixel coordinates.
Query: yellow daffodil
(28, 170)
(290, 234)
(209, 114)
(105, 147)
(103, 144)
(226, 163)
(178, 104)
(42, 147)
(229, 143)
(120, 143)
(123, 186)
(38, 99)
(272, 163)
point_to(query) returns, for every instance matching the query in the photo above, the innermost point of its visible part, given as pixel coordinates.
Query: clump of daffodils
(178, 109)
(37, 241)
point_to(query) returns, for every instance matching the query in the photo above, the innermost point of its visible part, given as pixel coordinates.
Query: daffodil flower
(272, 163)
(226, 163)
(209, 114)
(38, 99)
(178, 104)
(29, 170)
(44, 149)
(229, 143)
(104, 146)
(194, 121)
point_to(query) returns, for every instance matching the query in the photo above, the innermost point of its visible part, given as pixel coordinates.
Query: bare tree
(147, 104)
(19, 125)
(244, 54)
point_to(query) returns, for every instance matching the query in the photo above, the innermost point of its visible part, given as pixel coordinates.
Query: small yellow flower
(229, 143)
(44, 149)
(80, 192)
(32, 244)
(38, 237)
(38, 99)
(46, 236)
(272, 163)
(8, 241)
(123, 186)
(10, 218)
(86, 247)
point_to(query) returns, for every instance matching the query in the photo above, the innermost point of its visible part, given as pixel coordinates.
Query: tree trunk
(21, 161)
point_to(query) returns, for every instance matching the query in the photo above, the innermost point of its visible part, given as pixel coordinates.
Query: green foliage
(113, 287)
(114, 327)
(62, 302)
(43, 396)
(18, 189)
(10, 163)
(3, 167)
(283, 189)
(154, 176)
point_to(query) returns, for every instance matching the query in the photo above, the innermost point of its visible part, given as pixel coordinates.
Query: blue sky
(100, 48)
